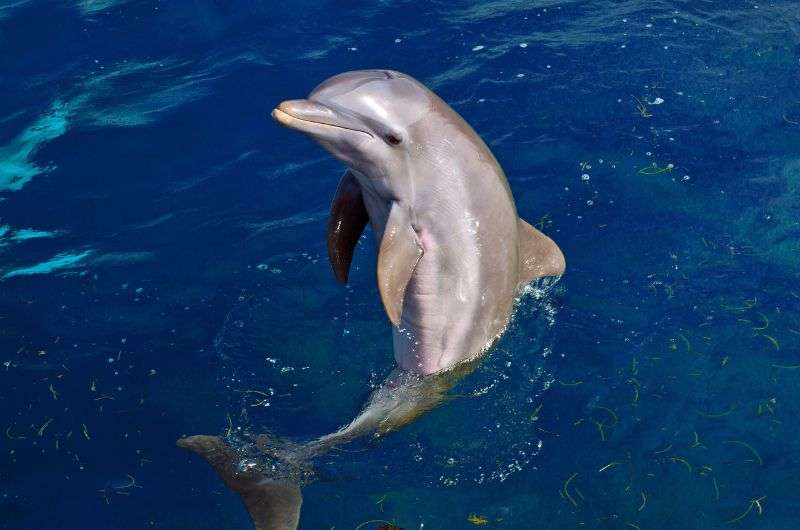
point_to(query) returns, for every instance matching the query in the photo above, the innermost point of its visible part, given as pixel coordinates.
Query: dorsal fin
(538, 254)
(346, 224)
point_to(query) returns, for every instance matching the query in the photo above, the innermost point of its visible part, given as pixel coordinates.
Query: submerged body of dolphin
(453, 252)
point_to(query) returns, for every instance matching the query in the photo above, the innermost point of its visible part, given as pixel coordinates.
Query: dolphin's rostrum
(453, 253)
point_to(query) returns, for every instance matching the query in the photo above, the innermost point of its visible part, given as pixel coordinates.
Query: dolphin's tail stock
(271, 493)
(273, 504)
(398, 401)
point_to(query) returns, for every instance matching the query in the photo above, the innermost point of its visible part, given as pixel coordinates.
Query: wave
(121, 258)
(6, 8)
(107, 99)
(65, 260)
(10, 235)
(92, 7)
(17, 167)
(103, 100)
(294, 220)
(70, 260)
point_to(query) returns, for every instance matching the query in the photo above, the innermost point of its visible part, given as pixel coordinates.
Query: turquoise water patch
(64, 260)
(23, 234)
(17, 167)
(8, 234)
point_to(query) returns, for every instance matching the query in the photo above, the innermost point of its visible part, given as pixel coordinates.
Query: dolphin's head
(364, 119)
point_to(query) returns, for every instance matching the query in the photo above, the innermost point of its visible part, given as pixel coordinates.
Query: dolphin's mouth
(313, 118)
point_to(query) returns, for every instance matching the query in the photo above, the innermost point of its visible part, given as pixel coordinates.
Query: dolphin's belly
(455, 306)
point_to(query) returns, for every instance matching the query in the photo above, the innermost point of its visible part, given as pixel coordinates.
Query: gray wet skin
(430, 181)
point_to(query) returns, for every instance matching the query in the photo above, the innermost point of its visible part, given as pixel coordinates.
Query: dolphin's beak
(314, 118)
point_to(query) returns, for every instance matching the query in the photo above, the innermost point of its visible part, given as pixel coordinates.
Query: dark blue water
(162, 255)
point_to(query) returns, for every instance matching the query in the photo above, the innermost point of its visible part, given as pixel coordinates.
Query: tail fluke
(273, 504)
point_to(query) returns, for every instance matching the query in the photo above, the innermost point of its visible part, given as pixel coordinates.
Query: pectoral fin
(538, 254)
(399, 253)
(345, 225)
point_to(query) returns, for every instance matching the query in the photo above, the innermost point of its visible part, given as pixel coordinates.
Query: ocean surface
(163, 269)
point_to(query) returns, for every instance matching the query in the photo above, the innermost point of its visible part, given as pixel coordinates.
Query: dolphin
(453, 254)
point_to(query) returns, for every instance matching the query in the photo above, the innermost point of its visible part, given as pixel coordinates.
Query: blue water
(162, 254)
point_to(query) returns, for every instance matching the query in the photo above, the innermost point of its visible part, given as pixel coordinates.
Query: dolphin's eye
(392, 139)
